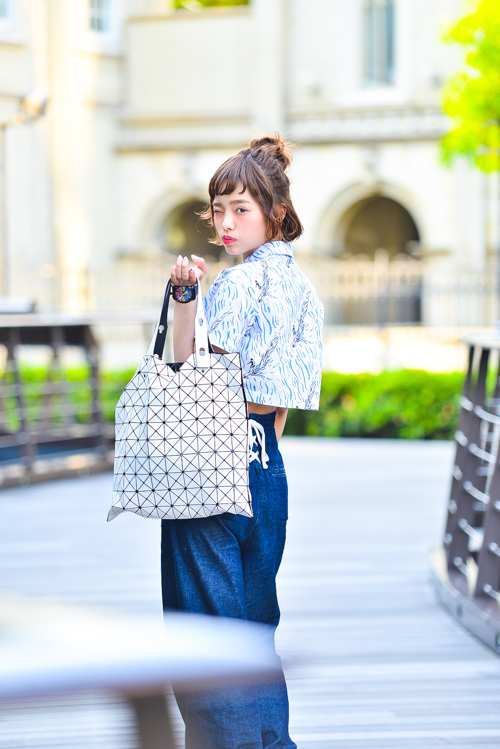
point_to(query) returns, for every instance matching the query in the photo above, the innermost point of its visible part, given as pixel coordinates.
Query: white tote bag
(181, 431)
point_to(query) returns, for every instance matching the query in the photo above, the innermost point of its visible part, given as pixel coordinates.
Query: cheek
(254, 221)
(261, 225)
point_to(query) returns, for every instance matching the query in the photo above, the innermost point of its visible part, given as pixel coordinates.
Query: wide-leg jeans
(226, 565)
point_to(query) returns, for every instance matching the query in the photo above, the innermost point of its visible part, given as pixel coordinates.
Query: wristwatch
(184, 294)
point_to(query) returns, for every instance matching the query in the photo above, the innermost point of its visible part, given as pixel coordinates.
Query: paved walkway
(373, 661)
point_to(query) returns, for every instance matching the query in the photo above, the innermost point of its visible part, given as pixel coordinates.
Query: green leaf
(471, 98)
(192, 4)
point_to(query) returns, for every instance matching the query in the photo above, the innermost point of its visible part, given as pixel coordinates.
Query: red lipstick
(227, 239)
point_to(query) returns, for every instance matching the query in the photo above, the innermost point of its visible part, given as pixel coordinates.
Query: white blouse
(268, 311)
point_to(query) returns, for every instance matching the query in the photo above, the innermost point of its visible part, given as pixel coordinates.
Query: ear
(282, 211)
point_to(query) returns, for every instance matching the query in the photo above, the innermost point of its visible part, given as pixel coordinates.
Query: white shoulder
(239, 278)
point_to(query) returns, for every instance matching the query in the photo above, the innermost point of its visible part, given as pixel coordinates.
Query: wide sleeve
(230, 310)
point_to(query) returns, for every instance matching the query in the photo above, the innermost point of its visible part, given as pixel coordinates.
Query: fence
(50, 425)
(355, 291)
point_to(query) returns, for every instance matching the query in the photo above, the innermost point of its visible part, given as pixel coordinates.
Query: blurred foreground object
(48, 648)
(472, 96)
(466, 568)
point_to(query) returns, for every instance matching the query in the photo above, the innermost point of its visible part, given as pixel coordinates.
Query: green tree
(472, 96)
(192, 4)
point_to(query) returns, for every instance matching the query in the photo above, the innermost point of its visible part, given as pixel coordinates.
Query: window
(378, 22)
(99, 16)
(5, 9)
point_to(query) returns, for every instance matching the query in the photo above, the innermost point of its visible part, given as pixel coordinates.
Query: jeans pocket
(277, 490)
(276, 471)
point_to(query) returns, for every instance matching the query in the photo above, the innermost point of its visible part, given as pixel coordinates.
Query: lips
(227, 239)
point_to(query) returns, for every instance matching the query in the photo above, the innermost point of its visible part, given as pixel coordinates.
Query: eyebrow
(238, 200)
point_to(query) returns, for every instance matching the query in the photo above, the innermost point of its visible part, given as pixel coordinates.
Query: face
(240, 222)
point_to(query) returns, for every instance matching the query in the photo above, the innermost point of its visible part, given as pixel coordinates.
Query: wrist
(184, 293)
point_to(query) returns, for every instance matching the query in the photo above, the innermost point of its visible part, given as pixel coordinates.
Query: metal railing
(355, 291)
(49, 425)
(466, 568)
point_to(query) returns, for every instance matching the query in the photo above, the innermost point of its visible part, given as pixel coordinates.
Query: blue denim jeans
(226, 565)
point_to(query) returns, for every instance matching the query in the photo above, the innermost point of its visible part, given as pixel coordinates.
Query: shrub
(62, 394)
(111, 387)
(408, 404)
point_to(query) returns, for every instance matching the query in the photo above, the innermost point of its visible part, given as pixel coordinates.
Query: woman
(266, 310)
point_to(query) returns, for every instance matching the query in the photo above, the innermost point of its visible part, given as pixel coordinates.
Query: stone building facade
(146, 101)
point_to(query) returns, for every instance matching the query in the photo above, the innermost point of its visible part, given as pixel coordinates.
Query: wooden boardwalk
(373, 662)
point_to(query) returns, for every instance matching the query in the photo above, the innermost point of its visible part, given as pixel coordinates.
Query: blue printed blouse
(269, 312)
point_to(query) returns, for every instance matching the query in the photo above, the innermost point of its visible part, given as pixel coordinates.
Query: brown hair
(260, 169)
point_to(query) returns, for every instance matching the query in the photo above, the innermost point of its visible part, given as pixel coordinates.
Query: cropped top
(267, 310)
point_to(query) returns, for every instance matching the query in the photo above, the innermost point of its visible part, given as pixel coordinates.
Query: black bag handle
(161, 334)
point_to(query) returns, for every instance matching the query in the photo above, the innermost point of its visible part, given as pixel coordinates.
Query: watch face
(184, 293)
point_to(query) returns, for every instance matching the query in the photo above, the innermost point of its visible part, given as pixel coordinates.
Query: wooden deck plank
(372, 659)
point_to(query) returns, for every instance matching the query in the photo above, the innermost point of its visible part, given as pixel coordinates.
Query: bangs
(233, 172)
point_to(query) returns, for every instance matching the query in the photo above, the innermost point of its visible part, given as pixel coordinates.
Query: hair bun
(276, 146)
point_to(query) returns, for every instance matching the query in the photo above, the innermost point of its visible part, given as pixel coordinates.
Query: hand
(182, 275)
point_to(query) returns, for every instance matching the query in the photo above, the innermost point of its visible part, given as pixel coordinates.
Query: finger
(173, 275)
(201, 263)
(192, 275)
(185, 269)
(178, 269)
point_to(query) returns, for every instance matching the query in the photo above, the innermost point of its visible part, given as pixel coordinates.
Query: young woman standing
(266, 310)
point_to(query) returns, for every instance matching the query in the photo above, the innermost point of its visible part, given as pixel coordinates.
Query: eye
(243, 210)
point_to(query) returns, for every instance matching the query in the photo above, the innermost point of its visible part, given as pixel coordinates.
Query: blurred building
(146, 101)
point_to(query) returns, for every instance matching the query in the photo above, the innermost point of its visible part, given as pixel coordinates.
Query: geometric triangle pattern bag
(181, 432)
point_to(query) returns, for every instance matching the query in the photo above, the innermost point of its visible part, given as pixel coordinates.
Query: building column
(270, 30)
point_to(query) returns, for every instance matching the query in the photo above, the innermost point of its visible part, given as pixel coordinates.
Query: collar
(270, 248)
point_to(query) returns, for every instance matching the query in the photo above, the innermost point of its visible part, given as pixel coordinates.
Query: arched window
(183, 232)
(378, 42)
(100, 16)
(380, 222)
(377, 279)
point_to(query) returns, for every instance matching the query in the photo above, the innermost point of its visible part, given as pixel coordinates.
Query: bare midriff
(258, 408)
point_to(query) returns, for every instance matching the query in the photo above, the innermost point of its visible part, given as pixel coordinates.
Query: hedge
(404, 404)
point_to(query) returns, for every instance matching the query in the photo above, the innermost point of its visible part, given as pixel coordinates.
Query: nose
(228, 222)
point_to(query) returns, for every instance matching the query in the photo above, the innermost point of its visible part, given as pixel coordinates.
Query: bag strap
(202, 344)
